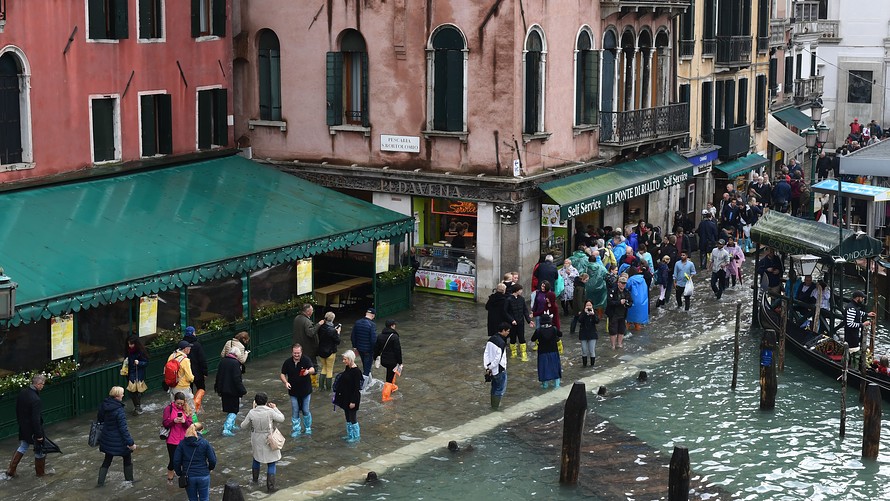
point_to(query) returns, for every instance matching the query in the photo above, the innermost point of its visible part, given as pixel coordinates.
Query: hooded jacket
(115, 438)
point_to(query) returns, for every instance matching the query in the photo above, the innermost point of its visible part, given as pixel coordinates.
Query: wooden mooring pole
(573, 428)
(735, 354)
(768, 381)
(782, 328)
(846, 363)
(678, 477)
(871, 426)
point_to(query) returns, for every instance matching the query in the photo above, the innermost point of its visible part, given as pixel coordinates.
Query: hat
(189, 331)
(855, 119)
(858, 294)
(622, 280)
(390, 322)
(721, 242)
(545, 319)
(372, 311)
(184, 344)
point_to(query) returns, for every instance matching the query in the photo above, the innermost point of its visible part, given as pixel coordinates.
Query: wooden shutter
(454, 91)
(760, 103)
(218, 23)
(221, 117)
(264, 65)
(707, 111)
(334, 68)
(165, 123)
(10, 112)
(275, 81)
(205, 119)
(366, 113)
(96, 12)
(729, 104)
(591, 86)
(742, 116)
(103, 129)
(440, 92)
(149, 126)
(121, 26)
(532, 78)
(196, 18)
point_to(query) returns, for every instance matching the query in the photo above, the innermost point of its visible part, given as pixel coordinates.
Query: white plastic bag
(687, 290)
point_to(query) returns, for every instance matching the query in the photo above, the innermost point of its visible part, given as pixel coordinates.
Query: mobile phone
(339, 325)
(179, 414)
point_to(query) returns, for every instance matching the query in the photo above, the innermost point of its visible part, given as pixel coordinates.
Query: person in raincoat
(638, 313)
(568, 273)
(736, 260)
(596, 289)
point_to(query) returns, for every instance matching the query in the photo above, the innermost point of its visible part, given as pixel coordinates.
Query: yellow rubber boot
(513, 350)
(559, 346)
(524, 353)
(535, 347)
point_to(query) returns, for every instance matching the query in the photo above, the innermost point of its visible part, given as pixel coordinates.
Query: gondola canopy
(794, 235)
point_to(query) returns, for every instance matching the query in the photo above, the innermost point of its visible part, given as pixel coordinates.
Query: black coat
(547, 338)
(614, 308)
(515, 309)
(707, 234)
(198, 361)
(547, 271)
(328, 340)
(349, 386)
(28, 413)
(115, 438)
(495, 307)
(228, 378)
(587, 326)
(390, 356)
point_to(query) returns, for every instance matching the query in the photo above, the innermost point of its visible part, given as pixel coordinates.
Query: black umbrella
(47, 446)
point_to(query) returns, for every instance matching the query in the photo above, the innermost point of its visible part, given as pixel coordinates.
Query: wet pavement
(441, 390)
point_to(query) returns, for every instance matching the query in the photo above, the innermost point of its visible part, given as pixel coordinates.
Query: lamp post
(816, 137)
(7, 297)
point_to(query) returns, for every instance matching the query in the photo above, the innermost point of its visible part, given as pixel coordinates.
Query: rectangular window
(104, 115)
(859, 86)
(213, 129)
(742, 115)
(707, 112)
(789, 74)
(157, 124)
(773, 75)
(208, 18)
(760, 103)
(107, 19)
(151, 19)
(719, 91)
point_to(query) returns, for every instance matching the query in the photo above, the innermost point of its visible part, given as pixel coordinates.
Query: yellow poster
(62, 336)
(148, 315)
(382, 256)
(304, 276)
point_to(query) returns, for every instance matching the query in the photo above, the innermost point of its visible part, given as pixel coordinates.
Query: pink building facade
(130, 83)
(456, 111)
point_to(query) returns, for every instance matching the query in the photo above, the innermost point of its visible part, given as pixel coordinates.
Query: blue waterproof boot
(356, 432)
(348, 435)
(307, 424)
(295, 426)
(227, 426)
(556, 383)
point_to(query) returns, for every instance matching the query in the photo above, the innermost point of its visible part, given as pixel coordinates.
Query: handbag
(489, 377)
(95, 433)
(275, 440)
(184, 478)
(164, 433)
(377, 359)
(125, 367)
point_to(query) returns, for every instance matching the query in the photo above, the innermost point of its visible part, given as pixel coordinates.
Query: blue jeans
(588, 347)
(270, 467)
(198, 488)
(499, 384)
(367, 362)
(23, 448)
(298, 404)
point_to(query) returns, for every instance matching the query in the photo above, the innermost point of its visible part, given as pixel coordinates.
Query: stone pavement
(442, 397)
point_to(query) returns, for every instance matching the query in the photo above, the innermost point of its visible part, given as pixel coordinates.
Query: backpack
(171, 371)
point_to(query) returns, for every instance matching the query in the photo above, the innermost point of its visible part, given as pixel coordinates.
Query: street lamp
(7, 296)
(805, 264)
(816, 137)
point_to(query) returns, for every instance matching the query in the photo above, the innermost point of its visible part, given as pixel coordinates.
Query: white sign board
(405, 144)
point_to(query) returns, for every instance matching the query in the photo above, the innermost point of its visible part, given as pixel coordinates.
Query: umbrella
(48, 447)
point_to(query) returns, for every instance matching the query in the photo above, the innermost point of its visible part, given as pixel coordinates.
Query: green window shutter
(366, 114)
(275, 81)
(97, 19)
(145, 20)
(580, 91)
(334, 67)
(196, 18)
(591, 86)
(454, 91)
(103, 130)
(149, 126)
(205, 120)
(221, 117)
(218, 23)
(440, 89)
(121, 26)
(532, 79)
(264, 64)
(165, 123)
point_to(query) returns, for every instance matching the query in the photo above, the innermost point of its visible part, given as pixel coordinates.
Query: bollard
(678, 478)
(782, 328)
(871, 427)
(846, 363)
(768, 382)
(232, 492)
(735, 354)
(601, 392)
(573, 427)
(643, 376)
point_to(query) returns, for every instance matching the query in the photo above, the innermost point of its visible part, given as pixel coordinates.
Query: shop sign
(624, 194)
(381, 256)
(61, 336)
(403, 144)
(550, 216)
(445, 281)
(148, 315)
(704, 159)
(453, 207)
(304, 276)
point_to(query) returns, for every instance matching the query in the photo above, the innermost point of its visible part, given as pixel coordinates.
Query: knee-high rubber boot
(321, 382)
(387, 392)
(556, 383)
(584, 361)
(307, 424)
(16, 458)
(394, 387)
(270, 482)
(559, 347)
(255, 474)
(357, 430)
(348, 432)
(592, 361)
(523, 352)
(295, 427)
(535, 347)
(227, 426)
(353, 433)
(136, 397)
(328, 384)
(128, 473)
(103, 472)
(199, 397)
(40, 466)
(314, 378)
(495, 402)
(513, 351)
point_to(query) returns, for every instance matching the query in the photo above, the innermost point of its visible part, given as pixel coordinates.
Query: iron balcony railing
(762, 44)
(621, 128)
(734, 50)
(687, 48)
(733, 141)
(808, 89)
(708, 47)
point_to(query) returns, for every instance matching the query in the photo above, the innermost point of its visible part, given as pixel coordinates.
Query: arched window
(15, 109)
(587, 67)
(269, 63)
(610, 53)
(534, 82)
(347, 81)
(628, 52)
(644, 71)
(447, 80)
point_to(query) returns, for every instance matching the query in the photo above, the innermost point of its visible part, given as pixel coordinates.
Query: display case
(446, 270)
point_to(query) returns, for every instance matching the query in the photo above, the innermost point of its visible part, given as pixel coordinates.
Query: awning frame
(793, 235)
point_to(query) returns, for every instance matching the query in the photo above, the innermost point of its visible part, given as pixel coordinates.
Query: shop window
(213, 129)
(208, 18)
(14, 110)
(102, 333)
(156, 117)
(859, 86)
(151, 19)
(214, 300)
(272, 286)
(587, 66)
(25, 348)
(534, 66)
(347, 82)
(269, 61)
(105, 119)
(108, 19)
(448, 80)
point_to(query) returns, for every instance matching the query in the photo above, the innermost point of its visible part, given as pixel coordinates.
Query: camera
(339, 325)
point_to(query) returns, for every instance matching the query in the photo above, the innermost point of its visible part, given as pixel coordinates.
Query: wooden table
(333, 291)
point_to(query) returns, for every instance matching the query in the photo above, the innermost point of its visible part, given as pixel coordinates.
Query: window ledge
(462, 135)
(334, 129)
(151, 40)
(17, 166)
(103, 40)
(207, 38)
(537, 136)
(581, 129)
(282, 125)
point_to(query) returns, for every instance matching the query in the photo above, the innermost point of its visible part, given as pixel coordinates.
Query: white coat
(260, 419)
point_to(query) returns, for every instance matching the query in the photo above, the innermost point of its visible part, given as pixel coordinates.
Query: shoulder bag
(184, 478)
(489, 377)
(377, 359)
(95, 433)
(275, 440)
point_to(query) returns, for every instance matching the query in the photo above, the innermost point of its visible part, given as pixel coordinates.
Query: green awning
(594, 190)
(740, 166)
(78, 245)
(801, 236)
(794, 116)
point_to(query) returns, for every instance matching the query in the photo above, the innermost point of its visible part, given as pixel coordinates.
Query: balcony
(649, 125)
(777, 31)
(640, 7)
(708, 47)
(807, 89)
(734, 142)
(687, 48)
(829, 31)
(734, 51)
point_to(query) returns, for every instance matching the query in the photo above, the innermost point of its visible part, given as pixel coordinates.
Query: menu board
(62, 337)
(381, 256)
(304, 276)
(148, 315)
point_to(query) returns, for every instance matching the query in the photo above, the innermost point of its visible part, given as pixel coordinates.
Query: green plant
(395, 276)
(273, 309)
(54, 372)
(217, 324)
(165, 337)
